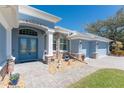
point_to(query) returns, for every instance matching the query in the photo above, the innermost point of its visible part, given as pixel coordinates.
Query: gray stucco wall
(3, 56)
(36, 20)
(84, 47)
(15, 42)
(74, 46)
(80, 47)
(89, 47)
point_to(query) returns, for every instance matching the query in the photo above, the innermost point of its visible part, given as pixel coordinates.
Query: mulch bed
(55, 67)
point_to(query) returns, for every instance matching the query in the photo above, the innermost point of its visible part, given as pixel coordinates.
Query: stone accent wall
(3, 72)
(48, 59)
(80, 57)
(60, 56)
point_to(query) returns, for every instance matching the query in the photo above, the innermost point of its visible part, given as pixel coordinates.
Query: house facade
(89, 45)
(29, 34)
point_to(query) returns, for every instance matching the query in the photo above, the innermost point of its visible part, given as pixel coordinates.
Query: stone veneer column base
(80, 57)
(48, 59)
(3, 72)
(95, 55)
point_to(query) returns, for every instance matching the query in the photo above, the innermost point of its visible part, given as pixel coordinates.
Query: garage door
(102, 49)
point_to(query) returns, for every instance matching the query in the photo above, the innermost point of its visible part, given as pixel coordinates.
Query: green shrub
(118, 52)
(14, 76)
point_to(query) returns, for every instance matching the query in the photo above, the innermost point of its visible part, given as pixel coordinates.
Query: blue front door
(27, 49)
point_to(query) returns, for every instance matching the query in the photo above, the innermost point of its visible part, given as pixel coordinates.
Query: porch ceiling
(10, 14)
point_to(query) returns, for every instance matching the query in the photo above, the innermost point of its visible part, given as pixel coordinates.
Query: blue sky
(76, 17)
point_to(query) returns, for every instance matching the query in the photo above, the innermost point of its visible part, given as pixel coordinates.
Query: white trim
(87, 58)
(101, 56)
(38, 26)
(63, 30)
(49, 44)
(63, 50)
(38, 13)
(2, 65)
(9, 43)
(25, 23)
(60, 51)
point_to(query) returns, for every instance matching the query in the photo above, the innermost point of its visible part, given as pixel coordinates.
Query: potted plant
(14, 79)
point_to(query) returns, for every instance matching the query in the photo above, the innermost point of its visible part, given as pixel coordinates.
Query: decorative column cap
(11, 58)
(50, 30)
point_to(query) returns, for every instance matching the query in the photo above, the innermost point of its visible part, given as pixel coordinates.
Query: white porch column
(96, 46)
(96, 55)
(49, 43)
(9, 43)
(108, 51)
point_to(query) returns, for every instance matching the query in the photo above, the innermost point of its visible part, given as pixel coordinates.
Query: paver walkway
(37, 75)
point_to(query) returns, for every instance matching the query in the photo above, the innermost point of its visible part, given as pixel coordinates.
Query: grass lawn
(104, 78)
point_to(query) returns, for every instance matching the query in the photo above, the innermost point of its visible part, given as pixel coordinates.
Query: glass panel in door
(33, 48)
(23, 46)
(33, 44)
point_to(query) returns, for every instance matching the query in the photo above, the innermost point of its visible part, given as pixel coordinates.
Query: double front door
(27, 49)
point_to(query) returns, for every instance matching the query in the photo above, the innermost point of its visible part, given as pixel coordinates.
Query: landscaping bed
(55, 67)
(6, 83)
(104, 78)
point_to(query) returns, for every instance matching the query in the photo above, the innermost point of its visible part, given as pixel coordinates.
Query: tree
(117, 45)
(112, 27)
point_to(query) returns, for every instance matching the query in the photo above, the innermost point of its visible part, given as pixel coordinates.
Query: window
(54, 43)
(27, 32)
(64, 44)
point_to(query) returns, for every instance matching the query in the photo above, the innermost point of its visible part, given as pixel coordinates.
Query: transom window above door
(28, 32)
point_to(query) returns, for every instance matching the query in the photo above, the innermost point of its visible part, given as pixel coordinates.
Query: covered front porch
(32, 42)
(33, 38)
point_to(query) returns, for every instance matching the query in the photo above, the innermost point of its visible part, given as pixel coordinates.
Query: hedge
(118, 52)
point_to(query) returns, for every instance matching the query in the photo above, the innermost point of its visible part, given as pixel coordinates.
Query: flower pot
(14, 82)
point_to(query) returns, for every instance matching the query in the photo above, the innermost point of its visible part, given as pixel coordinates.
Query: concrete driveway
(36, 74)
(107, 62)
